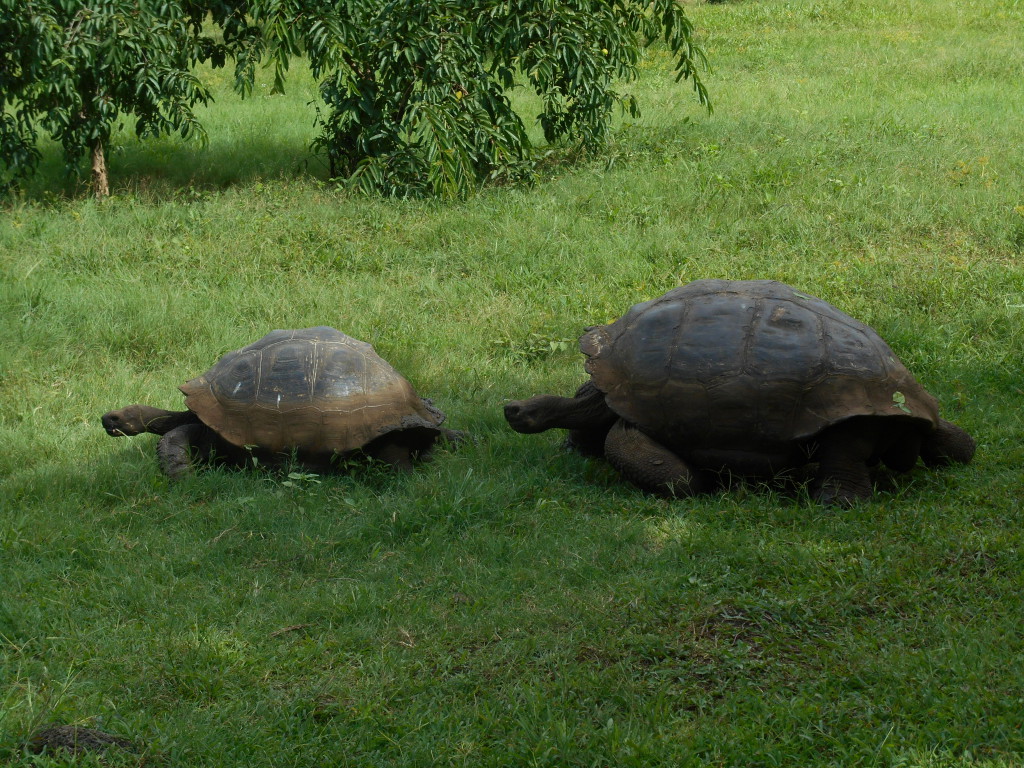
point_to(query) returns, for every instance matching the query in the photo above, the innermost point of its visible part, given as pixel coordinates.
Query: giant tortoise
(315, 394)
(746, 378)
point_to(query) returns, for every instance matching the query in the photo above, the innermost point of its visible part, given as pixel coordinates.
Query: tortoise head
(529, 416)
(133, 420)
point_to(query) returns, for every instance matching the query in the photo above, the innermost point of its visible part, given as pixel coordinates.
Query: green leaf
(900, 401)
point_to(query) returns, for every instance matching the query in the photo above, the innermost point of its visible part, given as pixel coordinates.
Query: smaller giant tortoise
(732, 378)
(315, 394)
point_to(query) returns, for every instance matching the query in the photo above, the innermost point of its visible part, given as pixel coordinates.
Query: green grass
(510, 603)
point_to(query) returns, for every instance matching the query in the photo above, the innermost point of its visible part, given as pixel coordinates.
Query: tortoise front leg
(589, 439)
(181, 448)
(844, 453)
(648, 464)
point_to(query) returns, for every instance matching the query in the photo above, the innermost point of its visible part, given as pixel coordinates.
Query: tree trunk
(100, 183)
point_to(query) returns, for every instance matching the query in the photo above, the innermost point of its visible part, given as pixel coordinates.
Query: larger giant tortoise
(748, 378)
(314, 393)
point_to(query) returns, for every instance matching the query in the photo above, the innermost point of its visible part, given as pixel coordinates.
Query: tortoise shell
(314, 389)
(747, 365)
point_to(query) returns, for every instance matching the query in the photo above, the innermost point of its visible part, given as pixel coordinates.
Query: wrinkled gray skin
(844, 453)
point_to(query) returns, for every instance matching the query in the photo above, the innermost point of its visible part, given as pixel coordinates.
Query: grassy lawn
(512, 604)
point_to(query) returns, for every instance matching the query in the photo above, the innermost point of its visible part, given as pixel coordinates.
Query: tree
(417, 91)
(21, 36)
(73, 69)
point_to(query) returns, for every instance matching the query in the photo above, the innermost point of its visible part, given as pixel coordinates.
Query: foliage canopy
(73, 69)
(416, 93)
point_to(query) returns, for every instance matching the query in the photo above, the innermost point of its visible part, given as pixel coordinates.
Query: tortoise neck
(160, 422)
(588, 410)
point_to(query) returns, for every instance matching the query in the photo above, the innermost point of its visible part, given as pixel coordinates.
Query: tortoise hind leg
(452, 439)
(844, 454)
(182, 447)
(946, 444)
(401, 448)
(648, 464)
(392, 452)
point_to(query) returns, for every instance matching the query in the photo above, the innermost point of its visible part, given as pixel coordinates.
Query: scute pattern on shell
(719, 364)
(316, 389)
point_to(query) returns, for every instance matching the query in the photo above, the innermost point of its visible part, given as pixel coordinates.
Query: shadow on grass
(128, 466)
(166, 168)
(786, 490)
